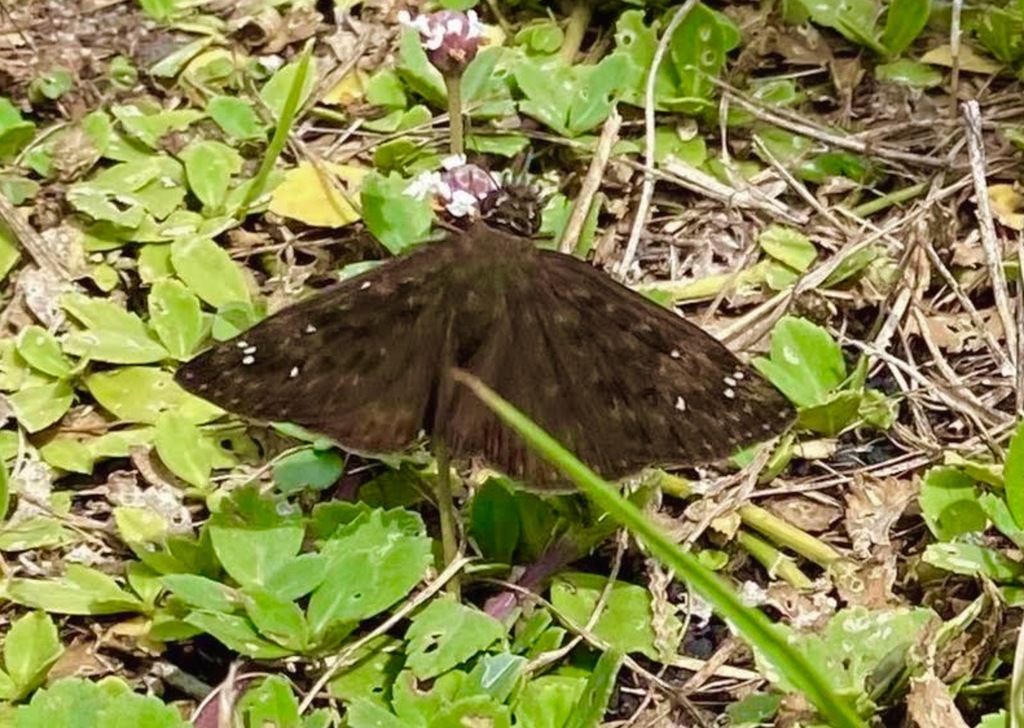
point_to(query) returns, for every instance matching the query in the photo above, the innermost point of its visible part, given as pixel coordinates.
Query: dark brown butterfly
(621, 381)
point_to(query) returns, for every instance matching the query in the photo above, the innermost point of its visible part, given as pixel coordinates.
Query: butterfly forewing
(358, 362)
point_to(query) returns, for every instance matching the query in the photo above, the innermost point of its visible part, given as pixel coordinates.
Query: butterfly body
(619, 380)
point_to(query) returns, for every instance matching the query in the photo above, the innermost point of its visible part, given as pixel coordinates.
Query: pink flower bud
(451, 38)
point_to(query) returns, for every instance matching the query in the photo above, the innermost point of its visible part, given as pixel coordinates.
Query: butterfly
(621, 381)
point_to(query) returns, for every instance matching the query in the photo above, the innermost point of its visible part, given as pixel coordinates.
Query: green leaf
(495, 523)
(280, 620)
(851, 647)
(832, 416)
(395, 219)
(39, 406)
(949, 503)
(308, 468)
(910, 73)
(974, 561)
(445, 634)
(549, 701)
(904, 21)
(177, 318)
(373, 668)
(77, 703)
(209, 271)
(1013, 475)
(788, 246)
(804, 362)
(68, 454)
(698, 51)
(209, 167)
(238, 634)
(142, 394)
(111, 333)
(201, 593)
(626, 622)
(251, 555)
(82, 590)
(5, 491)
(34, 533)
(271, 702)
(236, 117)
(15, 131)
(42, 351)
(30, 649)
(593, 704)
(151, 127)
(183, 449)
(373, 562)
(275, 92)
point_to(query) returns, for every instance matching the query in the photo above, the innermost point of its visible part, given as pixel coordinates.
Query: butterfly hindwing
(621, 381)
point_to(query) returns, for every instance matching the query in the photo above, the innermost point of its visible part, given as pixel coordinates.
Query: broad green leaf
(82, 590)
(373, 668)
(251, 555)
(832, 416)
(30, 649)
(280, 620)
(150, 127)
(789, 246)
(854, 643)
(593, 704)
(271, 702)
(909, 73)
(68, 454)
(177, 318)
(238, 634)
(119, 443)
(208, 270)
(397, 220)
(142, 394)
(1013, 475)
(495, 523)
(698, 52)
(39, 406)
(548, 701)
(202, 593)
(447, 633)
(111, 333)
(904, 21)
(42, 351)
(625, 623)
(78, 703)
(209, 167)
(373, 562)
(975, 561)
(236, 117)
(308, 468)
(949, 503)
(275, 91)
(183, 449)
(804, 361)
(39, 532)
(15, 131)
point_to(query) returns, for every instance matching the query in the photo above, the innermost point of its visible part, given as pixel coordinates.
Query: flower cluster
(451, 38)
(459, 188)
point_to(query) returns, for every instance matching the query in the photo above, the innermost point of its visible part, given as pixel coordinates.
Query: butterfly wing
(358, 362)
(621, 381)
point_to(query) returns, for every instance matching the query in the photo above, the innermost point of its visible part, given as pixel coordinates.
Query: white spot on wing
(730, 381)
(675, 354)
(310, 329)
(249, 350)
(729, 394)
(366, 284)
(241, 344)
(680, 404)
(247, 360)
(293, 373)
